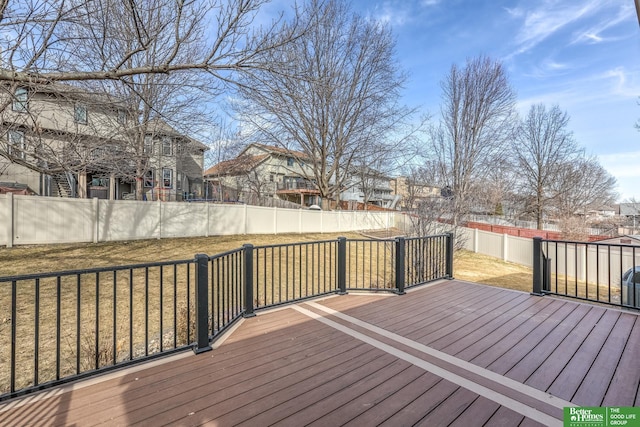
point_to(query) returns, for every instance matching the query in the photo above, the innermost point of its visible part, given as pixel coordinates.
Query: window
(179, 181)
(166, 146)
(80, 114)
(148, 144)
(100, 182)
(290, 161)
(16, 143)
(21, 100)
(122, 116)
(167, 175)
(148, 178)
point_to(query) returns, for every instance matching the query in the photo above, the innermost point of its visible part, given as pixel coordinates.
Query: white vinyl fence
(592, 263)
(514, 249)
(41, 220)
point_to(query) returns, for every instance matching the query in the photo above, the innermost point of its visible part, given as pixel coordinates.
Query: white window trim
(170, 173)
(166, 142)
(147, 147)
(122, 116)
(16, 146)
(82, 119)
(20, 102)
(145, 178)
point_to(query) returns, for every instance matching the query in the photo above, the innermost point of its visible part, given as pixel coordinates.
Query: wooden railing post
(342, 265)
(202, 304)
(401, 268)
(248, 280)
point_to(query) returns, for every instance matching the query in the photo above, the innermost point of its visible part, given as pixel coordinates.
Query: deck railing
(67, 325)
(596, 272)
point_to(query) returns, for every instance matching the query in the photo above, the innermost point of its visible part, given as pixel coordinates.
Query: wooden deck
(453, 353)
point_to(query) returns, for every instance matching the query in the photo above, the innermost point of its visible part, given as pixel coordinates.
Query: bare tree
(582, 185)
(477, 113)
(496, 193)
(45, 39)
(337, 93)
(542, 148)
(149, 59)
(371, 170)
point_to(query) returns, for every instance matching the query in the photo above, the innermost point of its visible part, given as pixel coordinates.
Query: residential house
(368, 186)
(175, 164)
(263, 171)
(59, 140)
(627, 239)
(629, 210)
(412, 192)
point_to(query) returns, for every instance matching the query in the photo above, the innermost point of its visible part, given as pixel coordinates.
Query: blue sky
(583, 55)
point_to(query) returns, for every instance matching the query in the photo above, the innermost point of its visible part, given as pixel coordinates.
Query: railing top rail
(279, 245)
(224, 254)
(427, 237)
(576, 242)
(64, 273)
(390, 239)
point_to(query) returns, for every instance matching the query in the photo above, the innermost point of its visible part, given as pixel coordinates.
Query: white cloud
(515, 12)
(622, 83)
(593, 37)
(392, 13)
(606, 21)
(548, 18)
(428, 3)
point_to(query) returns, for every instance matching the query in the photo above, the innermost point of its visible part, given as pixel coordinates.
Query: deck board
(604, 366)
(393, 404)
(501, 338)
(548, 371)
(477, 413)
(571, 377)
(286, 368)
(539, 354)
(524, 339)
(626, 379)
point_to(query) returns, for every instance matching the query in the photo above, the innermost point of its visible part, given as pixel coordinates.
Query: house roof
(631, 239)
(238, 166)
(158, 126)
(629, 209)
(75, 93)
(279, 150)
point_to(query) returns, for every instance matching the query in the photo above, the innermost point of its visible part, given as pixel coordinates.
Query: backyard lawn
(70, 317)
(48, 258)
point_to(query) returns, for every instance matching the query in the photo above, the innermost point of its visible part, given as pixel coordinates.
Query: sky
(583, 55)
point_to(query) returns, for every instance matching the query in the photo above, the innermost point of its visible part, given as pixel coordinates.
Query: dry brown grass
(47, 258)
(488, 270)
(370, 264)
(78, 349)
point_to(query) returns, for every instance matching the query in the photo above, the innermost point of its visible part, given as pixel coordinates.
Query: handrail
(72, 324)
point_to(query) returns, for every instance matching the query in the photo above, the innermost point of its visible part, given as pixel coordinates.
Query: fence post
(10, 220)
(95, 203)
(342, 265)
(248, 280)
(450, 256)
(400, 265)
(202, 304)
(537, 267)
